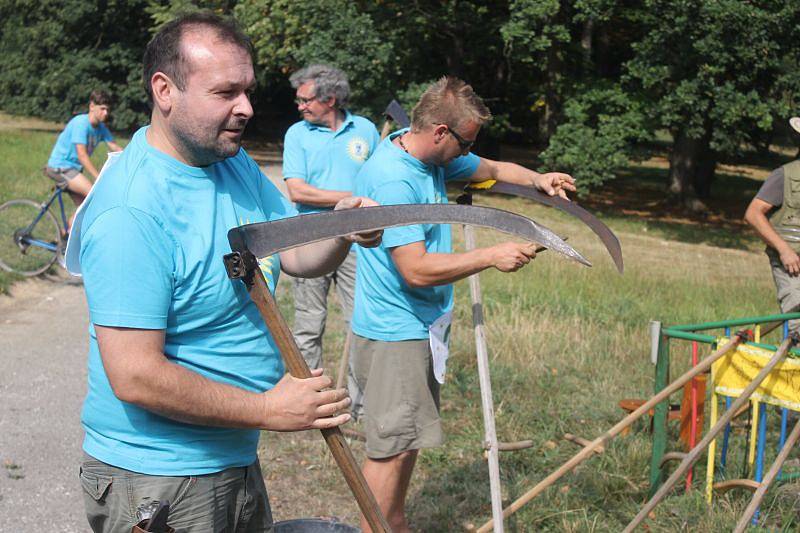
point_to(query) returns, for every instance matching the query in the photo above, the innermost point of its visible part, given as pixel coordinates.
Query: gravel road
(43, 348)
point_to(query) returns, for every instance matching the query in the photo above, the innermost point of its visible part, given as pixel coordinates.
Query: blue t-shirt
(152, 242)
(326, 159)
(385, 307)
(78, 131)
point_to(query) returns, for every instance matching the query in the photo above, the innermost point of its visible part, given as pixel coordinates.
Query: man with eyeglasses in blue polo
(404, 293)
(321, 156)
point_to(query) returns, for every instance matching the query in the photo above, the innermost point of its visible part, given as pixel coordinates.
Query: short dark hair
(164, 52)
(99, 97)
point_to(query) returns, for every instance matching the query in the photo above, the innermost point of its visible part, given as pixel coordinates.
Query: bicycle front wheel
(26, 247)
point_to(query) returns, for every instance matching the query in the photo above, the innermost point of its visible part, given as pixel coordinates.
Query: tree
(599, 135)
(715, 74)
(288, 35)
(53, 53)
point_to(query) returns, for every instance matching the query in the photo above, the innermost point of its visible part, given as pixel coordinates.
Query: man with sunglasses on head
(321, 156)
(404, 293)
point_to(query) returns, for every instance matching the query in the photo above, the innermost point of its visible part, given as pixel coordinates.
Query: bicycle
(31, 239)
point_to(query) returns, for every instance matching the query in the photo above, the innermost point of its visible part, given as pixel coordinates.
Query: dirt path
(43, 347)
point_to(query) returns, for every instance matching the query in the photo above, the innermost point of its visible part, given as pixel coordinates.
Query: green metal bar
(790, 475)
(685, 335)
(699, 337)
(660, 416)
(736, 322)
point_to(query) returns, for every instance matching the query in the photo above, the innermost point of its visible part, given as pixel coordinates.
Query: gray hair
(329, 82)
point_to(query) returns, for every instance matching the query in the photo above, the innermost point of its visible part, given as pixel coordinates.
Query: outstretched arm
(551, 183)
(422, 269)
(319, 258)
(756, 216)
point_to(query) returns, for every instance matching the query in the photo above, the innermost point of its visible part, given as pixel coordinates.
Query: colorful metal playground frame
(756, 439)
(659, 404)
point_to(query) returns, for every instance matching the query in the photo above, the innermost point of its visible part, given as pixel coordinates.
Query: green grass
(23, 154)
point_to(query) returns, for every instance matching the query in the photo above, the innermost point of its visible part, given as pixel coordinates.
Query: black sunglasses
(464, 144)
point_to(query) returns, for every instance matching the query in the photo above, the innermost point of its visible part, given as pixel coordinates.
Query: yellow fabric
(481, 185)
(733, 372)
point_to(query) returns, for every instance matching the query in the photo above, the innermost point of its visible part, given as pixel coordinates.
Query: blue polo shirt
(385, 307)
(328, 159)
(152, 240)
(78, 131)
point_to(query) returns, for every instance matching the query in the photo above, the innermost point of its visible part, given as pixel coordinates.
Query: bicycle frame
(44, 208)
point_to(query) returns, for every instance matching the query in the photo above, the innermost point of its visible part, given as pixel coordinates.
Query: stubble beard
(205, 145)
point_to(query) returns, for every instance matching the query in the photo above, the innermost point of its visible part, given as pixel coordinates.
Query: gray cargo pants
(311, 312)
(234, 500)
(788, 288)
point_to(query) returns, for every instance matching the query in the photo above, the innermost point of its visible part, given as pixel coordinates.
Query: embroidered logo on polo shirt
(358, 149)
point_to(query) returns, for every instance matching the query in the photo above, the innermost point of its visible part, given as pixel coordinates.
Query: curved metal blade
(266, 238)
(610, 240)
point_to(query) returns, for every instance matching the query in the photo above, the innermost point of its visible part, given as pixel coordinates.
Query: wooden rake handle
(297, 367)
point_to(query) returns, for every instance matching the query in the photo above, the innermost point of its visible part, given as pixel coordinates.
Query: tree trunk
(691, 170)
(551, 97)
(586, 43)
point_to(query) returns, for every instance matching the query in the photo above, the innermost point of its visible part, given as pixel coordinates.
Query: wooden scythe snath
(744, 521)
(297, 367)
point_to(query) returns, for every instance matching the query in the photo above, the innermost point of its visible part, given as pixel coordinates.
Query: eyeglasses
(304, 101)
(464, 144)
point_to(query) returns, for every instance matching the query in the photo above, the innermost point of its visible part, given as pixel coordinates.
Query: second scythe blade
(610, 240)
(266, 238)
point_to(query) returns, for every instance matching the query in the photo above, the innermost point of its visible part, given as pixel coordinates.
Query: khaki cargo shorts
(61, 175)
(401, 395)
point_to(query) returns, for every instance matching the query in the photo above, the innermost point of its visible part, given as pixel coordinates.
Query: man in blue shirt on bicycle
(71, 154)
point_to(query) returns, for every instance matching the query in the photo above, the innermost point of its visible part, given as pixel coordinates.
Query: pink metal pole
(693, 434)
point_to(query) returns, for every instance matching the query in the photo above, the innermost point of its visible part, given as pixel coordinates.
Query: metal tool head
(607, 236)
(267, 238)
(396, 112)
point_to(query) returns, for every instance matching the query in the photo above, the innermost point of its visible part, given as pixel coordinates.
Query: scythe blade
(607, 236)
(266, 238)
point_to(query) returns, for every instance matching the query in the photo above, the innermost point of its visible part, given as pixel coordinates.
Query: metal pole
(487, 404)
(695, 452)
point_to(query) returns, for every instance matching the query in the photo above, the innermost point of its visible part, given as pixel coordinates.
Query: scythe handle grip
(297, 367)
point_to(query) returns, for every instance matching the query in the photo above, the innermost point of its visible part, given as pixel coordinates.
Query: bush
(598, 136)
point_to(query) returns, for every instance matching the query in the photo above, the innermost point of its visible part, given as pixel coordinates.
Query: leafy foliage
(599, 136)
(587, 78)
(53, 53)
(724, 68)
(288, 35)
